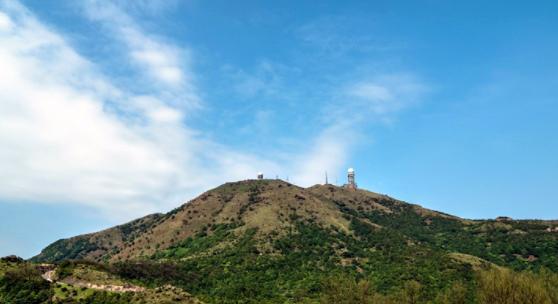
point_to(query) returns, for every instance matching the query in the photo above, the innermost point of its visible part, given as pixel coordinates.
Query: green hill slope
(270, 241)
(26, 283)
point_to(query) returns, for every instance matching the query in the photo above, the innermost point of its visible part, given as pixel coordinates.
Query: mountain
(270, 206)
(271, 241)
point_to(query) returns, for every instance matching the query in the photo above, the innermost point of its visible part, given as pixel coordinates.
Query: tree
(502, 286)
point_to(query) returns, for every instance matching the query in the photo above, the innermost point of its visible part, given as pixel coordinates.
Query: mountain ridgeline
(271, 241)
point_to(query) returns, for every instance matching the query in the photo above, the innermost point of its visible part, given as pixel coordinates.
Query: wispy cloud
(386, 94)
(336, 36)
(328, 152)
(265, 79)
(374, 98)
(355, 105)
(148, 6)
(70, 136)
(5, 22)
(165, 64)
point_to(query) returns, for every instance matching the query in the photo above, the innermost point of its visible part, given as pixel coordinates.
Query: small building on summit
(351, 184)
(260, 175)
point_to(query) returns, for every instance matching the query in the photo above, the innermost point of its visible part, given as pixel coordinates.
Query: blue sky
(110, 110)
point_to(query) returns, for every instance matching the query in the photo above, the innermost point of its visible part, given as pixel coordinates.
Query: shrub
(502, 286)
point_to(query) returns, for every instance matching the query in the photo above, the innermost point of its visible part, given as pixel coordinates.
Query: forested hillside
(270, 241)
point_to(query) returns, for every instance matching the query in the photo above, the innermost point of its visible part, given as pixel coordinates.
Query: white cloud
(5, 22)
(385, 94)
(368, 99)
(372, 91)
(164, 64)
(158, 63)
(327, 153)
(68, 135)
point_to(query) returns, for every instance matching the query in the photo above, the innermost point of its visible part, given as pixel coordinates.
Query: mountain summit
(268, 239)
(271, 207)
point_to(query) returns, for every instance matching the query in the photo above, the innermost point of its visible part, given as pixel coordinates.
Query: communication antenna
(326, 178)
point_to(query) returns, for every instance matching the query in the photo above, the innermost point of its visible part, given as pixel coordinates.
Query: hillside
(24, 282)
(270, 206)
(268, 240)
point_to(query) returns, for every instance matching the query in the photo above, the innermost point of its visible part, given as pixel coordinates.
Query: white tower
(351, 179)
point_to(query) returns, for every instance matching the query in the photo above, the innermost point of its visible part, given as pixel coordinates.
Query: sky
(111, 110)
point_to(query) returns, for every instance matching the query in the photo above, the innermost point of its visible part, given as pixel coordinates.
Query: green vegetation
(493, 286)
(501, 286)
(308, 270)
(521, 245)
(66, 293)
(202, 242)
(22, 283)
(60, 250)
(303, 260)
(272, 242)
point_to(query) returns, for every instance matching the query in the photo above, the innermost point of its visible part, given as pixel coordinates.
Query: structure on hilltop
(351, 184)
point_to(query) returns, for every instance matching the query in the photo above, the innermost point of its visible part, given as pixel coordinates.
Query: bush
(12, 259)
(347, 290)
(24, 285)
(455, 294)
(502, 286)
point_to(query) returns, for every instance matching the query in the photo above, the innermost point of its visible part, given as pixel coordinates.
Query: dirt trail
(49, 275)
(113, 288)
(106, 287)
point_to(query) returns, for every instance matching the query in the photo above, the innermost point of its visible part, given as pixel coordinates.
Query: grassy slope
(97, 246)
(272, 241)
